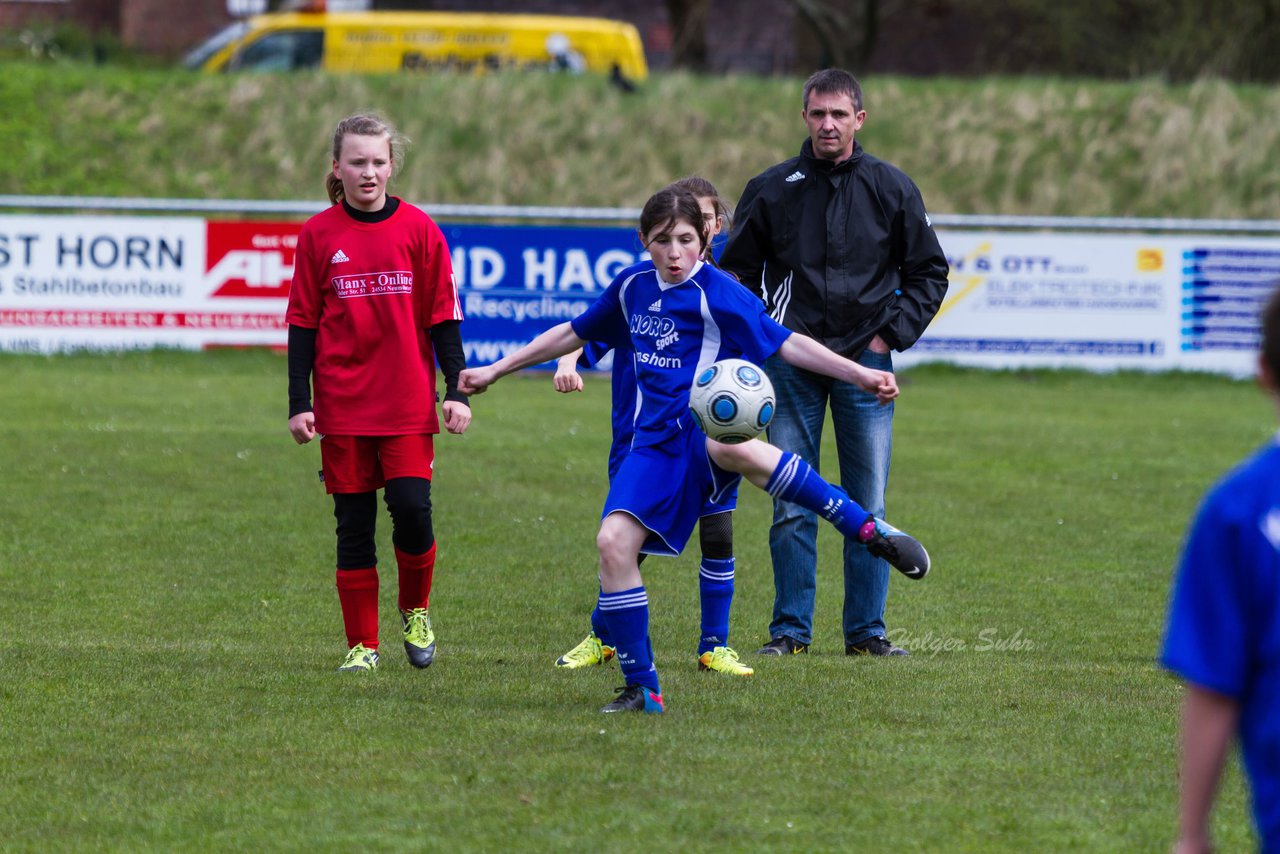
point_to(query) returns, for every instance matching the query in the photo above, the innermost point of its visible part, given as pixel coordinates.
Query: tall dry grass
(991, 146)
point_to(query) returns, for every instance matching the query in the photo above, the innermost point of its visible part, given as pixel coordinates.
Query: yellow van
(385, 42)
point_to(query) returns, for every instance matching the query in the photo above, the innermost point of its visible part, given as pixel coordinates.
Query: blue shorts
(725, 501)
(668, 487)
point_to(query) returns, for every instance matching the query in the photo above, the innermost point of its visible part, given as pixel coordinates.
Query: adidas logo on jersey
(339, 257)
(657, 305)
(795, 176)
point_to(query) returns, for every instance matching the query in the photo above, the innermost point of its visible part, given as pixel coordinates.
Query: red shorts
(364, 463)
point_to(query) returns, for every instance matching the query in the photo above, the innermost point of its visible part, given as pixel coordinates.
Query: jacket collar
(818, 164)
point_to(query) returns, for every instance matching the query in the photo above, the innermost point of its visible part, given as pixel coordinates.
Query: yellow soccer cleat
(360, 659)
(590, 651)
(723, 660)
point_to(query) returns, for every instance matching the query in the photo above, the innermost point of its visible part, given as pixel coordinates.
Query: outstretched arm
(551, 344)
(804, 352)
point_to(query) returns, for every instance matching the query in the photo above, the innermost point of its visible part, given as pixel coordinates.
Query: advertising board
(1016, 299)
(1101, 301)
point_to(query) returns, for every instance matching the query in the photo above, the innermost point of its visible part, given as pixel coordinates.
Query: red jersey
(371, 290)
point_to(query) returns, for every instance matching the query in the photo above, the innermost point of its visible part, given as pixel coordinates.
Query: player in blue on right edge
(1223, 633)
(677, 314)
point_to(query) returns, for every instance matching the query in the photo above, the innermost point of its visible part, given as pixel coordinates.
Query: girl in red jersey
(373, 296)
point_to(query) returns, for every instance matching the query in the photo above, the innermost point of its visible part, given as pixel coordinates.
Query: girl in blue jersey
(715, 525)
(676, 314)
(1222, 635)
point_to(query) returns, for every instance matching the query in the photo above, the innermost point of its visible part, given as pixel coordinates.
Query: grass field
(171, 632)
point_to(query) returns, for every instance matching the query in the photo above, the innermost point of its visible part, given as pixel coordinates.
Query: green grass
(171, 631)
(984, 146)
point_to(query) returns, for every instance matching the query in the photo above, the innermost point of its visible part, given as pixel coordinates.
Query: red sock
(358, 593)
(415, 578)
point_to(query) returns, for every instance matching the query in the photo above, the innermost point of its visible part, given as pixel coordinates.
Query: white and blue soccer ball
(732, 400)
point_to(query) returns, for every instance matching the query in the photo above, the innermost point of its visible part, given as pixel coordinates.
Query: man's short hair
(834, 81)
(1271, 334)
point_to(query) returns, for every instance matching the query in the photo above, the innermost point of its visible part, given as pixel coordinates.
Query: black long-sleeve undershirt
(446, 341)
(302, 357)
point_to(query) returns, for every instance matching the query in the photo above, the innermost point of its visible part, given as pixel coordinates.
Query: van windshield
(282, 50)
(200, 54)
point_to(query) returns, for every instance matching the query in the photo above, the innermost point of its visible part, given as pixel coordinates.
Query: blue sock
(795, 480)
(626, 614)
(715, 592)
(598, 624)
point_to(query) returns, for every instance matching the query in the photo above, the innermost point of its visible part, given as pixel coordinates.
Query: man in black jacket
(839, 246)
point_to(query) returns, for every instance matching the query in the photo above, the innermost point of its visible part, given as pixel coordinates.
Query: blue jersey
(673, 331)
(1223, 632)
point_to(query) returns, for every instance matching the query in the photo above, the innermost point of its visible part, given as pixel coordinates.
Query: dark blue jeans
(864, 435)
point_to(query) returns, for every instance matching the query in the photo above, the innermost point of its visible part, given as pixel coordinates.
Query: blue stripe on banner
(1035, 347)
(1229, 252)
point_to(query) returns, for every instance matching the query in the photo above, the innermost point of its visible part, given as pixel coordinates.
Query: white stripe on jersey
(635, 413)
(622, 298)
(457, 304)
(710, 333)
(785, 476)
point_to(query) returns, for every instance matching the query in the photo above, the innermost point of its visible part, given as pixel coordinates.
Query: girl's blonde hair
(360, 125)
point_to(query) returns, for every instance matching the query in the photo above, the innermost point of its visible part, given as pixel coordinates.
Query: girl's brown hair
(670, 206)
(704, 189)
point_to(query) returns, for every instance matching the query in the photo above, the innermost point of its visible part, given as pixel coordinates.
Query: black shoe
(783, 645)
(635, 698)
(874, 646)
(903, 551)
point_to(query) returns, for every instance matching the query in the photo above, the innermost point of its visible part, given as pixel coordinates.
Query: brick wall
(92, 15)
(170, 27)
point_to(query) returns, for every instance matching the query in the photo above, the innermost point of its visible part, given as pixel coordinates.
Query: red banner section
(251, 259)
(92, 319)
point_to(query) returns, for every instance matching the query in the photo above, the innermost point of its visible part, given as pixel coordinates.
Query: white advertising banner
(108, 283)
(1101, 301)
(1016, 299)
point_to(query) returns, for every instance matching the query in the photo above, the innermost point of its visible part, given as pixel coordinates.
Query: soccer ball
(732, 401)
